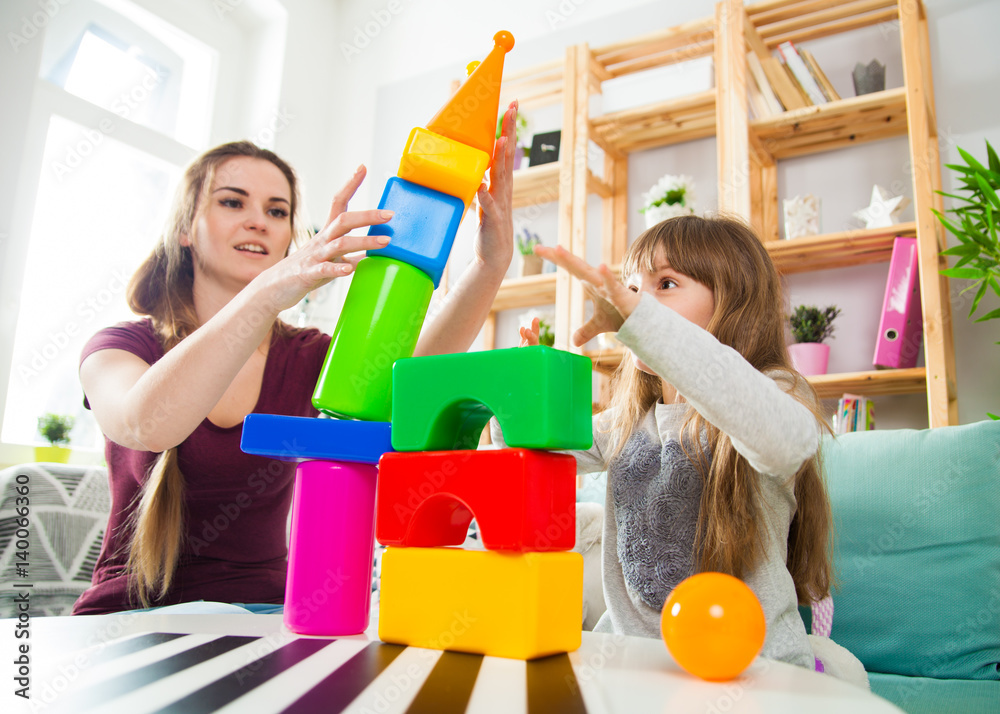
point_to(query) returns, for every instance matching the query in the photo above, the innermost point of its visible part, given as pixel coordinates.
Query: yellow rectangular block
(443, 164)
(517, 605)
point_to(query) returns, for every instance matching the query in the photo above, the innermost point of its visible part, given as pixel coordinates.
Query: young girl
(710, 441)
(194, 518)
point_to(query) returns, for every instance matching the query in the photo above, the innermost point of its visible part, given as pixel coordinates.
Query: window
(94, 223)
(105, 107)
(125, 102)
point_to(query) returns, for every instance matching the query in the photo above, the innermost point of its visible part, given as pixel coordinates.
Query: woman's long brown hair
(724, 254)
(162, 289)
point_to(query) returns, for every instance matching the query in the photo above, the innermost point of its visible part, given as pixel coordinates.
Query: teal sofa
(917, 558)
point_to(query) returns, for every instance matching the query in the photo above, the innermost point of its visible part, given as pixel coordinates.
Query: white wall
(399, 79)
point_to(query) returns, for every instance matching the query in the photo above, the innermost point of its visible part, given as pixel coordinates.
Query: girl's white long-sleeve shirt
(653, 492)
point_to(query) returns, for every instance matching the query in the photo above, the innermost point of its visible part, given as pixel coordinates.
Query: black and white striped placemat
(194, 673)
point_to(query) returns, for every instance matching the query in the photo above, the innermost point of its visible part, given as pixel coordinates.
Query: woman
(193, 518)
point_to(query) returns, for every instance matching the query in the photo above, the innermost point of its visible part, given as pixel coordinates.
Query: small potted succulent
(55, 428)
(669, 197)
(810, 327)
(531, 264)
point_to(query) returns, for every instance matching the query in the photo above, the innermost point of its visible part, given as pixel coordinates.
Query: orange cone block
(470, 116)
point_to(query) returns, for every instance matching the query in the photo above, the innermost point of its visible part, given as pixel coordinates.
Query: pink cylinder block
(329, 583)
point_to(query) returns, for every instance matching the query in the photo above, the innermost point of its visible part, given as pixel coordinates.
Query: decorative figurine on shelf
(801, 216)
(810, 327)
(531, 264)
(669, 197)
(545, 148)
(883, 210)
(868, 78)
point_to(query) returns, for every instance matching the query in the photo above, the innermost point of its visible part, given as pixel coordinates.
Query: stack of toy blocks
(328, 588)
(522, 597)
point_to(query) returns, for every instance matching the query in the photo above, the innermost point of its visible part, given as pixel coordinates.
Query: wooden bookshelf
(748, 154)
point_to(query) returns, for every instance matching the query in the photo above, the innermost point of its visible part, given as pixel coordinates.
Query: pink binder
(900, 329)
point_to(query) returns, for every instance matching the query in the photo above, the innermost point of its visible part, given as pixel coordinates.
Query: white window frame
(249, 38)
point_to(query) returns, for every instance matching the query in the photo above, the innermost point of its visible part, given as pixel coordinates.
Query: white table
(250, 663)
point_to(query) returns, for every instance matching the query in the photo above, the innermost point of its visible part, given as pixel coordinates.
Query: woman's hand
(529, 335)
(613, 302)
(328, 254)
(495, 240)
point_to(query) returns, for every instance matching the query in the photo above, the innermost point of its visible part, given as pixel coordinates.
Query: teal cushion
(925, 695)
(917, 549)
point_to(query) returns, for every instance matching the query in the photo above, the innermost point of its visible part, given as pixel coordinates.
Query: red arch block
(523, 500)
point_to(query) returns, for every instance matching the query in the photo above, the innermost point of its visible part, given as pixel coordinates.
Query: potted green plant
(55, 428)
(520, 136)
(810, 327)
(978, 251)
(545, 335)
(531, 264)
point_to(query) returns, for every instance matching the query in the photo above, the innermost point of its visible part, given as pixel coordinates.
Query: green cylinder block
(379, 324)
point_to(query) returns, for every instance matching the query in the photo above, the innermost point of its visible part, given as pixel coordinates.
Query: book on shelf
(763, 87)
(819, 75)
(854, 413)
(782, 84)
(900, 328)
(758, 107)
(797, 66)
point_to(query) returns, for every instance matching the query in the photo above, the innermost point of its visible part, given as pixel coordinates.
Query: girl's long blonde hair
(162, 289)
(724, 254)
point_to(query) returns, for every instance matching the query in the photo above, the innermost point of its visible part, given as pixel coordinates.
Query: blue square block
(289, 438)
(423, 228)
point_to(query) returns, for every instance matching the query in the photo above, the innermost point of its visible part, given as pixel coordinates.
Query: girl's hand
(613, 302)
(529, 335)
(495, 240)
(327, 255)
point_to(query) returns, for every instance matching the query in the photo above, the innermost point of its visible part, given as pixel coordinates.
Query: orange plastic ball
(713, 625)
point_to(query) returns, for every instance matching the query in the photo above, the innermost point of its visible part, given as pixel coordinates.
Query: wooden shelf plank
(826, 126)
(536, 184)
(659, 124)
(837, 250)
(871, 383)
(526, 292)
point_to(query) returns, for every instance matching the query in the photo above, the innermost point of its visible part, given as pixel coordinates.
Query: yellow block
(443, 164)
(518, 605)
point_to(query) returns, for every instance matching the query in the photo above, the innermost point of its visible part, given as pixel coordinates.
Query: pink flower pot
(809, 358)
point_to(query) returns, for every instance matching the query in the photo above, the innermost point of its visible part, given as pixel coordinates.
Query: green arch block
(541, 397)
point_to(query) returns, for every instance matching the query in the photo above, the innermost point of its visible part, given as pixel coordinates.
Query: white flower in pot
(669, 197)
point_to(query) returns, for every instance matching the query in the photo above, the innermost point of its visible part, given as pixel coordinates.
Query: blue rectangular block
(423, 228)
(289, 438)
